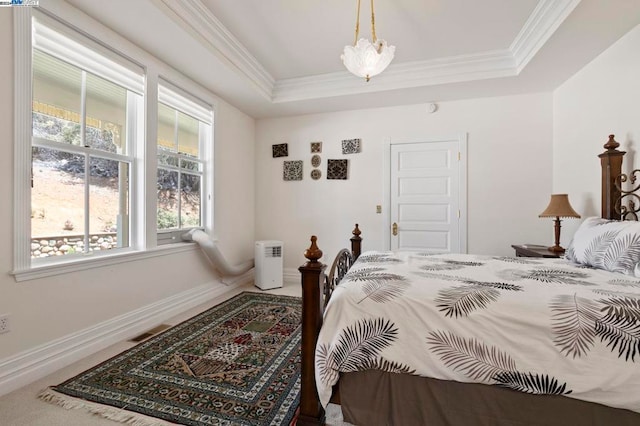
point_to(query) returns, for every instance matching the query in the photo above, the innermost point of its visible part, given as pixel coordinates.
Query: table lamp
(558, 207)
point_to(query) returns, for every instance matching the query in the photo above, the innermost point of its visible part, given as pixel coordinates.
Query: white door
(427, 193)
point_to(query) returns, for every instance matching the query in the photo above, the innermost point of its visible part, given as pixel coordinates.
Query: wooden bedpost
(611, 162)
(311, 411)
(356, 243)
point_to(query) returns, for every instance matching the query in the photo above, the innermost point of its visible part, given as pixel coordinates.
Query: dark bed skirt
(377, 398)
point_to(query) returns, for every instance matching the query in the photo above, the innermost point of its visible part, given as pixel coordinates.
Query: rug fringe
(112, 413)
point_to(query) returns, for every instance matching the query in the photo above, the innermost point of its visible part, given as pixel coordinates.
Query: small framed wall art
(316, 147)
(315, 160)
(316, 174)
(351, 146)
(337, 169)
(292, 170)
(280, 150)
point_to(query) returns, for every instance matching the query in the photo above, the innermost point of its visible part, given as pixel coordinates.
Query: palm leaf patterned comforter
(540, 326)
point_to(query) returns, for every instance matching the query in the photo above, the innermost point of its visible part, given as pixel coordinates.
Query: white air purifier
(268, 260)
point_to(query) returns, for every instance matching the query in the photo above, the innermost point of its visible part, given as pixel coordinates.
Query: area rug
(238, 363)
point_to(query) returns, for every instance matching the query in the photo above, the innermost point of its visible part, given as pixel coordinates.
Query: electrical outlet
(5, 324)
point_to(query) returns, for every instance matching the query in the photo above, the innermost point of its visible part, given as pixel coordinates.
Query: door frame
(462, 190)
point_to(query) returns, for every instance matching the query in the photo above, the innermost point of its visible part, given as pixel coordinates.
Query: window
(92, 176)
(81, 160)
(82, 150)
(184, 131)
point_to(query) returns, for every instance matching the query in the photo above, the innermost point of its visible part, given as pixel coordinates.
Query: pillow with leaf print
(611, 245)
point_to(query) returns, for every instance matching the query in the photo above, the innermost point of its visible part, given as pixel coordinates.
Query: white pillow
(606, 244)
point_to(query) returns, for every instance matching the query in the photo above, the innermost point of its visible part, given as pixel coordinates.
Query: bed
(456, 339)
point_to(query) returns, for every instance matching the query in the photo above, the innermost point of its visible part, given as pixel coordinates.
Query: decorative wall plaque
(337, 169)
(280, 150)
(316, 174)
(316, 147)
(315, 160)
(351, 146)
(292, 170)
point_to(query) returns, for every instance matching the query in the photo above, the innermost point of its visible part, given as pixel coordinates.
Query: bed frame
(317, 286)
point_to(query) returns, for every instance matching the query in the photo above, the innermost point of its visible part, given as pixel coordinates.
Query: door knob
(394, 228)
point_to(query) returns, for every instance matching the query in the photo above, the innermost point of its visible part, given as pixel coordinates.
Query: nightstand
(532, 250)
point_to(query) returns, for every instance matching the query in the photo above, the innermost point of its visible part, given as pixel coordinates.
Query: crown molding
(405, 75)
(545, 19)
(194, 17)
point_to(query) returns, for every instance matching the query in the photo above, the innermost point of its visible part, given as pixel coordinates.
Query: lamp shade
(559, 207)
(367, 59)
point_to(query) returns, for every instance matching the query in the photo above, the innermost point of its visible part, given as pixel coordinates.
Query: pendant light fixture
(367, 58)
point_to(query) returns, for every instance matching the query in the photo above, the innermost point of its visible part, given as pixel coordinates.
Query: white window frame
(186, 103)
(143, 233)
(134, 121)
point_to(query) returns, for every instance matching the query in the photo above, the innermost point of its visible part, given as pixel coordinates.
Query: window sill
(82, 264)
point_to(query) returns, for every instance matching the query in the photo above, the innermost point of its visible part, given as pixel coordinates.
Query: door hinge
(458, 214)
(458, 155)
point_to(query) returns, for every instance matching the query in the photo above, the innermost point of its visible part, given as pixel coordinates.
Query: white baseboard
(244, 278)
(31, 365)
(291, 276)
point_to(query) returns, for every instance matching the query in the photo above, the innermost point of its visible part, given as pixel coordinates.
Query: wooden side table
(532, 250)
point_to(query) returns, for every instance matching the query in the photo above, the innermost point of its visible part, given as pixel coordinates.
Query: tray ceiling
(281, 57)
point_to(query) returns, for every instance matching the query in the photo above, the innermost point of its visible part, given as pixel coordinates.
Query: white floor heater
(268, 258)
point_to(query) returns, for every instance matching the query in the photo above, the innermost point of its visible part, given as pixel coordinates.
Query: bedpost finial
(356, 231)
(313, 253)
(611, 144)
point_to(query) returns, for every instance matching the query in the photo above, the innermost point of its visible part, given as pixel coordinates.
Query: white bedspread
(540, 326)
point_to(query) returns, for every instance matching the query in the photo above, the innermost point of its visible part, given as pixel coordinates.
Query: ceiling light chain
(365, 58)
(355, 40)
(373, 24)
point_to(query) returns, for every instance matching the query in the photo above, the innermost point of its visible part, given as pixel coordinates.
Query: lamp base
(556, 249)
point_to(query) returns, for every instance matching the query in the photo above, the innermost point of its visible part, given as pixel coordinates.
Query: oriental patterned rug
(237, 363)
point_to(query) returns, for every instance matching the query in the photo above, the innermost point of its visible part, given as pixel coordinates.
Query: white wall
(509, 173)
(510, 177)
(601, 99)
(46, 309)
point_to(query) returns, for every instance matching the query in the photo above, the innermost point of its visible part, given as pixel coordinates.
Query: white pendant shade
(367, 59)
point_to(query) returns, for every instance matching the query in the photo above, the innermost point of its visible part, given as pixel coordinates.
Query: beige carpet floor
(23, 408)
